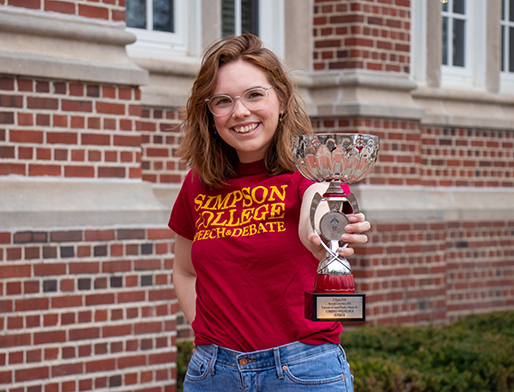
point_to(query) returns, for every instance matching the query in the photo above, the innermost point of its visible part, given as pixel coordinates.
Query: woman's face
(248, 132)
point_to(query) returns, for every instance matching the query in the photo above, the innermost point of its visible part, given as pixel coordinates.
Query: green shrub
(474, 354)
(184, 352)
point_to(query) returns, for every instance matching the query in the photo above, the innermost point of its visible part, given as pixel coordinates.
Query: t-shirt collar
(251, 168)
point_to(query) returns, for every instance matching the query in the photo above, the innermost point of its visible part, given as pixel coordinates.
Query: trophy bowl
(336, 158)
(344, 157)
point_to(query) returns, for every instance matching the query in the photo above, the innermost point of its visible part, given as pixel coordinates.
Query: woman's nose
(240, 110)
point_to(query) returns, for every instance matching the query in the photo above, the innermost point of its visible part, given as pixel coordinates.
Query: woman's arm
(184, 277)
(358, 225)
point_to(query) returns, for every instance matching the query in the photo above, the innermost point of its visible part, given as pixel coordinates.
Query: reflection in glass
(136, 14)
(503, 49)
(459, 7)
(458, 42)
(511, 52)
(445, 40)
(163, 16)
(228, 17)
(249, 20)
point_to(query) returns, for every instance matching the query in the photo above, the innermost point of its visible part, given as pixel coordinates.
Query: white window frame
(164, 45)
(272, 25)
(472, 75)
(418, 47)
(506, 77)
(187, 39)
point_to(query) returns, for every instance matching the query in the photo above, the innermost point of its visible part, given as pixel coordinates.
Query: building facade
(90, 100)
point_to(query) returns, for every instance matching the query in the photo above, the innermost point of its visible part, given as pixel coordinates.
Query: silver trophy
(339, 159)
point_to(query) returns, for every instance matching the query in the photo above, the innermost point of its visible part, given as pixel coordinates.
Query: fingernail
(345, 237)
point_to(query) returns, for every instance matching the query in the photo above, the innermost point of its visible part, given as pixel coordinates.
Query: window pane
(458, 43)
(459, 7)
(511, 10)
(511, 52)
(249, 16)
(136, 14)
(445, 41)
(503, 49)
(228, 17)
(445, 6)
(163, 16)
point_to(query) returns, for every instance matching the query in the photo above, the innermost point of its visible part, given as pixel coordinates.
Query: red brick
(47, 269)
(63, 7)
(95, 139)
(84, 268)
(101, 365)
(134, 141)
(79, 171)
(11, 101)
(100, 235)
(62, 137)
(100, 299)
(42, 103)
(44, 170)
(49, 337)
(23, 305)
(84, 334)
(15, 271)
(110, 108)
(32, 374)
(77, 106)
(67, 369)
(19, 136)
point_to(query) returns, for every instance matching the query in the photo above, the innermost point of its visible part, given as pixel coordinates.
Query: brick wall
(108, 10)
(160, 139)
(372, 35)
(69, 129)
(87, 309)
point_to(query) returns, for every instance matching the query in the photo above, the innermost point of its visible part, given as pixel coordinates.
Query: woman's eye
(222, 101)
(255, 95)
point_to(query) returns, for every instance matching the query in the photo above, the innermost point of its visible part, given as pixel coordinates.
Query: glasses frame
(208, 100)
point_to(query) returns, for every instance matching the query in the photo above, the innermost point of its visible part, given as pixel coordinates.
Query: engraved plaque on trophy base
(335, 307)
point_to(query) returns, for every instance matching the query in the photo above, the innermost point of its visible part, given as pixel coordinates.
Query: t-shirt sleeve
(181, 219)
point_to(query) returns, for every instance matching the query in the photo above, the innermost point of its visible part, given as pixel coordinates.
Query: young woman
(245, 252)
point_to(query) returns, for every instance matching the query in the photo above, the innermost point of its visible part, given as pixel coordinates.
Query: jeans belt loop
(214, 357)
(278, 365)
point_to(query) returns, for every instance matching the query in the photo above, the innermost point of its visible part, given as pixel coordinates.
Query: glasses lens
(256, 98)
(221, 105)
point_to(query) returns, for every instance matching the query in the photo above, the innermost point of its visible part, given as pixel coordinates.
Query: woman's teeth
(245, 129)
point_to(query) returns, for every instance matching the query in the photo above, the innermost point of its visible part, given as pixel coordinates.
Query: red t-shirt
(252, 269)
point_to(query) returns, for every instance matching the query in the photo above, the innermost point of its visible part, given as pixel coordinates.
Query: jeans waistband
(264, 359)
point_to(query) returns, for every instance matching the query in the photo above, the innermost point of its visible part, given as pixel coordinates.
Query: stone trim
(383, 204)
(39, 46)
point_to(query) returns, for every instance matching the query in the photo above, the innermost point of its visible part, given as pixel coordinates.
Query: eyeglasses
(253, 99)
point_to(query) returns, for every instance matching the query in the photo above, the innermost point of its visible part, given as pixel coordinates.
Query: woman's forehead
(238, 76)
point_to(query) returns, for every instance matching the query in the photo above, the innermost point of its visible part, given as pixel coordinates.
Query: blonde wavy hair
(201, 146)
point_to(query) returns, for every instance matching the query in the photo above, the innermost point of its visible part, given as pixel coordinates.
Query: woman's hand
(358, 225)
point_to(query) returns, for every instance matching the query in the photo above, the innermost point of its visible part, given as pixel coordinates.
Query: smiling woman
(244, 252)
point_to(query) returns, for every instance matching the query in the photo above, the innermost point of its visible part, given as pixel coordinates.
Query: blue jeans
(293, 367)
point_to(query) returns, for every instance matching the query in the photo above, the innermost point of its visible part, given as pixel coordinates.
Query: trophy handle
(353, 203)
(314, 206)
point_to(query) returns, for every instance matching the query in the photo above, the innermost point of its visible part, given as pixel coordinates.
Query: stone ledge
(39, 44)
(427, 204)
(46, 202)
(357, 93)
(463, 108)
